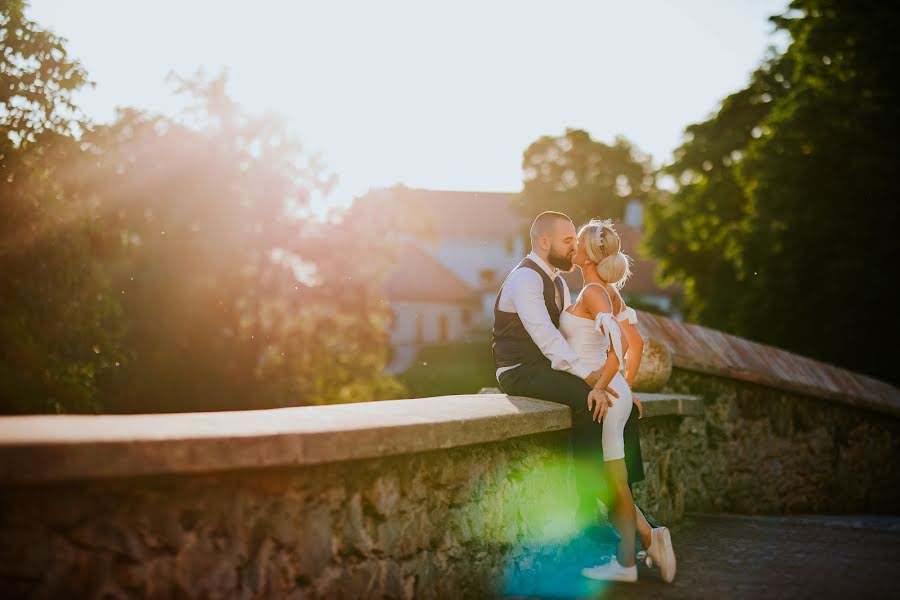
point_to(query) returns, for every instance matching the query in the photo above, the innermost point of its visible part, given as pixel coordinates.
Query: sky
(441, 95)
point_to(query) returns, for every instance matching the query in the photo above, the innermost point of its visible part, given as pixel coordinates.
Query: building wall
(474, 260)
(470, 259)
(417, 323)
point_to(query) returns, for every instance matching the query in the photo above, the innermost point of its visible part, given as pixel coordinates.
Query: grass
(453, 368)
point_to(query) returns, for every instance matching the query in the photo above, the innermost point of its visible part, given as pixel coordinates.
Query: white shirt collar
(551, 272)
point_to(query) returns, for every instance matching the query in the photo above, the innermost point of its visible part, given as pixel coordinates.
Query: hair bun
(603, 247)
(614, 268)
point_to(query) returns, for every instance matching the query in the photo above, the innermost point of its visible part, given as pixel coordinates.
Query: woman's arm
(596, 302)
(609, 370)
(634, 352)
(632, 342)
(632, 347)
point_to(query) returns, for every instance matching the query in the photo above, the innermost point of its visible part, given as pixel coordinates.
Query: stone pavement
(732, 556)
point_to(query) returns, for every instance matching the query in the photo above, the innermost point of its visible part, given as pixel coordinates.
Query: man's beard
(561, 262)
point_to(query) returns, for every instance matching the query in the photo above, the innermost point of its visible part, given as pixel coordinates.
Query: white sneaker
(612, 571)
(662, 553)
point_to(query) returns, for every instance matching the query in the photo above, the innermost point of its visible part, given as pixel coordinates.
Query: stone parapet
(434, 524)
(431, 498)
(47, 448)
(703, 350)
(760, 450)
(665, 405)
(655, 368)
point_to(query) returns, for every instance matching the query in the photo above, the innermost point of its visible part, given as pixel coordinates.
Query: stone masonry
(758, 450)
(435, 524)
(424, 498)
(428, 525)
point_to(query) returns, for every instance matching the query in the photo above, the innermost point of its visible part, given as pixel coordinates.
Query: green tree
(793, 251)
(235, 298)
(38, 79)
(60, 325)
(698, 233)
(582, 177)
(158, 264)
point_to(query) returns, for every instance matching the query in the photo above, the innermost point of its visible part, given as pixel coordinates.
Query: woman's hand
(637, 403)
(600, 401)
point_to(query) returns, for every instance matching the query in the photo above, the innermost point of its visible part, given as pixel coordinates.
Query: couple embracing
(549, 348)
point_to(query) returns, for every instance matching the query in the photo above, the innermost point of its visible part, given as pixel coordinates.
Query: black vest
(510, 341)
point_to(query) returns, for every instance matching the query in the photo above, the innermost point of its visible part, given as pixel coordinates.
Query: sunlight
(427, 96)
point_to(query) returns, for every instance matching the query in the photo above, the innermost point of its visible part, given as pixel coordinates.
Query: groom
(533, 359)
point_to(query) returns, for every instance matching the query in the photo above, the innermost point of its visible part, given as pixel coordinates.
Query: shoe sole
(589, 574)
(667, 564)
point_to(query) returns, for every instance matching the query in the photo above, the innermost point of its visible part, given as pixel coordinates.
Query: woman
(594, 327)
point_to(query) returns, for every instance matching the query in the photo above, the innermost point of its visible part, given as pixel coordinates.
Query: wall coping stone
(655, 405)
(704, 350)
(663, 405)
(51, 448)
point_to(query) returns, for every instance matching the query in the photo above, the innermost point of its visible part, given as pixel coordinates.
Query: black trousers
(544, 383)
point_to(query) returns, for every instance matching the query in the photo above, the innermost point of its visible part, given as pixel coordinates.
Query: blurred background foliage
(154, 264)
(583, 177)
(782, 226)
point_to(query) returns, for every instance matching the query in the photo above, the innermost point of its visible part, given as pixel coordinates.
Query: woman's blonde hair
(604, 247)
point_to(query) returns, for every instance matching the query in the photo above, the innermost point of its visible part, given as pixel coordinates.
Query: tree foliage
(38, 79)
(781, 226)
(56, 308)
(698, 232)
(582, 177)
(157, 264)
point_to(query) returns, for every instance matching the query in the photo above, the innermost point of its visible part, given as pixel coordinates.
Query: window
(442, 328)
(487, 276)
(466, 317)
(420, 329)
(634, 214)
(510, 246)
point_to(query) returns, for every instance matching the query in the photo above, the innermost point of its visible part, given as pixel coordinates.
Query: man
(533, 359)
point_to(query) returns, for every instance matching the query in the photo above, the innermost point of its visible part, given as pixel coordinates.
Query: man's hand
(599, 402)
(640, 406)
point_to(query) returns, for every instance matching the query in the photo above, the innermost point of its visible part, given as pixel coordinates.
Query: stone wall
(761, 450)
(445, 523)
(427, 498)
(426, 525)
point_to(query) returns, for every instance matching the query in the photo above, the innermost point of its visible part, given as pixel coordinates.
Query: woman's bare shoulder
(595, 298)
(617, 299)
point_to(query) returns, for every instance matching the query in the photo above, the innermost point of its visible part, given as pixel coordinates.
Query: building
(430, 304)
(457, 247)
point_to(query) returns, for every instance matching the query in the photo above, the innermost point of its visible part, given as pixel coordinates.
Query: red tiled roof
(419, 277)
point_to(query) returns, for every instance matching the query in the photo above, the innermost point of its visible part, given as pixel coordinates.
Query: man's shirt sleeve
(526, 292)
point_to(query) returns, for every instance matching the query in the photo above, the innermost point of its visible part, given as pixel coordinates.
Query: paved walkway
(731, 556)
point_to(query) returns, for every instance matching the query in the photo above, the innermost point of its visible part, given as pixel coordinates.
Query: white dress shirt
(523, 294)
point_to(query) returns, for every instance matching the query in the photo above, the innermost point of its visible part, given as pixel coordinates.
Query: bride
(593, 327)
